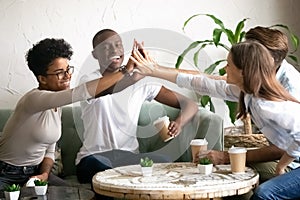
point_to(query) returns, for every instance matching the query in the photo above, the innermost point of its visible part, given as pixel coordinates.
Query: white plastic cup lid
(237, 150)
(199, 142)
(160, 119)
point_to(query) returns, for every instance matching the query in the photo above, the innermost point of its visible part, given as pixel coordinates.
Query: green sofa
(72, 128)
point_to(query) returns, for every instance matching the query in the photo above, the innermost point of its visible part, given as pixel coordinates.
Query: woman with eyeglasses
(28, 140)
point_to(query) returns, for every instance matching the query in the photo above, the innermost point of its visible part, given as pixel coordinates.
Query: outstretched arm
(147, 66)
(97, 86)
(264, 154)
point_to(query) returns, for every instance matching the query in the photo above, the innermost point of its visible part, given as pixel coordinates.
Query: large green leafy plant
(233, 37)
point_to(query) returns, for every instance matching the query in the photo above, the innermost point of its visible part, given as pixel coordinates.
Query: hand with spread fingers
(144, 62)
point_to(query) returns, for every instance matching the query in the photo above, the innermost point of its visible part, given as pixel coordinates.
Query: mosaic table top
(173, 181)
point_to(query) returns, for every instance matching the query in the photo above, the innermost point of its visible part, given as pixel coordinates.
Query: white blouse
(278, 121)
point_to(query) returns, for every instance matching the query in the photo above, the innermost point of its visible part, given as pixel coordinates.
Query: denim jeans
(15, 174)
(285, 186)
(90, 165)
(10, 174)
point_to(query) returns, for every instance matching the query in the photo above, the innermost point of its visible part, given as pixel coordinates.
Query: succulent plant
(40, 182)
(12, 188)
(205, 161)
(146, 162)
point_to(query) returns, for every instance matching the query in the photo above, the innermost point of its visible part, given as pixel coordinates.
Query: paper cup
(237, 156)
(161, 125)
(198, 145)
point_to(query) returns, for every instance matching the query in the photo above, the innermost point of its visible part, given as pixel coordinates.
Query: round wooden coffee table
(173, 181)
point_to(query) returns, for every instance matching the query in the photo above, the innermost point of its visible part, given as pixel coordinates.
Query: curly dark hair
(42, 54)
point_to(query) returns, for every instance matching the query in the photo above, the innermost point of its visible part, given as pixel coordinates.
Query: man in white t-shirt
(110, 121)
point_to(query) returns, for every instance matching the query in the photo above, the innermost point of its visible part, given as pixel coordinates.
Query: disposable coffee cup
(237, 156)
(197, 146)
(161, 125)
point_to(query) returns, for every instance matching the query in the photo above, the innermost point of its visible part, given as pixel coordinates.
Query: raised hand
(144, 63)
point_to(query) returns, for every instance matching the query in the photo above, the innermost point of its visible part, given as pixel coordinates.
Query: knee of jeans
(260, 193)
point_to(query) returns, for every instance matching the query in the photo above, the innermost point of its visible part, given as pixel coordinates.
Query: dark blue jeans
(10, 174)
(285, 186)
(92, 164)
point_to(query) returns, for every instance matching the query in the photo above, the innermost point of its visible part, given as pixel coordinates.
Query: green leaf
(216, 20)
(189, 19)
(230, 36)
(232, 106)
(213, 66)
(204, 100)
(295, 42)
(196, 55)
(242, 36)
(222, 71)
(211, 106)
(293, 58)
(238, 35)
(190, 47)
(224, 46)
(217, 36)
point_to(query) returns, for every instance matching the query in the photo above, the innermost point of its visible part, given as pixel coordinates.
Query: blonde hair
(258, 72)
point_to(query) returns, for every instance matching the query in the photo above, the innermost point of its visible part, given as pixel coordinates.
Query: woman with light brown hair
(251, 78)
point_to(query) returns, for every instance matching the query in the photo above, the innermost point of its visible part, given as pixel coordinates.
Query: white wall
(25, 22)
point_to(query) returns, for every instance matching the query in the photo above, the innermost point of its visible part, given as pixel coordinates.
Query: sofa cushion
(149, 141)
(4, 115)
(70, 141)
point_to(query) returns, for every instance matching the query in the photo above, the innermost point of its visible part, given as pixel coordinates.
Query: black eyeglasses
(62, 74)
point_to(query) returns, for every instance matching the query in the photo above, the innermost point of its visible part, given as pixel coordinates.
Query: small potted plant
(40, 187)
(205, 166)
(12, 192)
(146, 166)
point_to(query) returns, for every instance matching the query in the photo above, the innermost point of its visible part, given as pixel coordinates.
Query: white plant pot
(146, 171)
(205, 169)
(40, 190)
(12, 195)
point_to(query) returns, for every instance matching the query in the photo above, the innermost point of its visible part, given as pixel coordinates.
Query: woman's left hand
(279, 170)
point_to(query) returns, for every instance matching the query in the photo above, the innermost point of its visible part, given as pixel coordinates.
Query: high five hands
(144, 62)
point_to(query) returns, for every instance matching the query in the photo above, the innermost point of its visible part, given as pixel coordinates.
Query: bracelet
(124, 70)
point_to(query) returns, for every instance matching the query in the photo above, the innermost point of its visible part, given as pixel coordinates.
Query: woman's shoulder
(276, 107)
